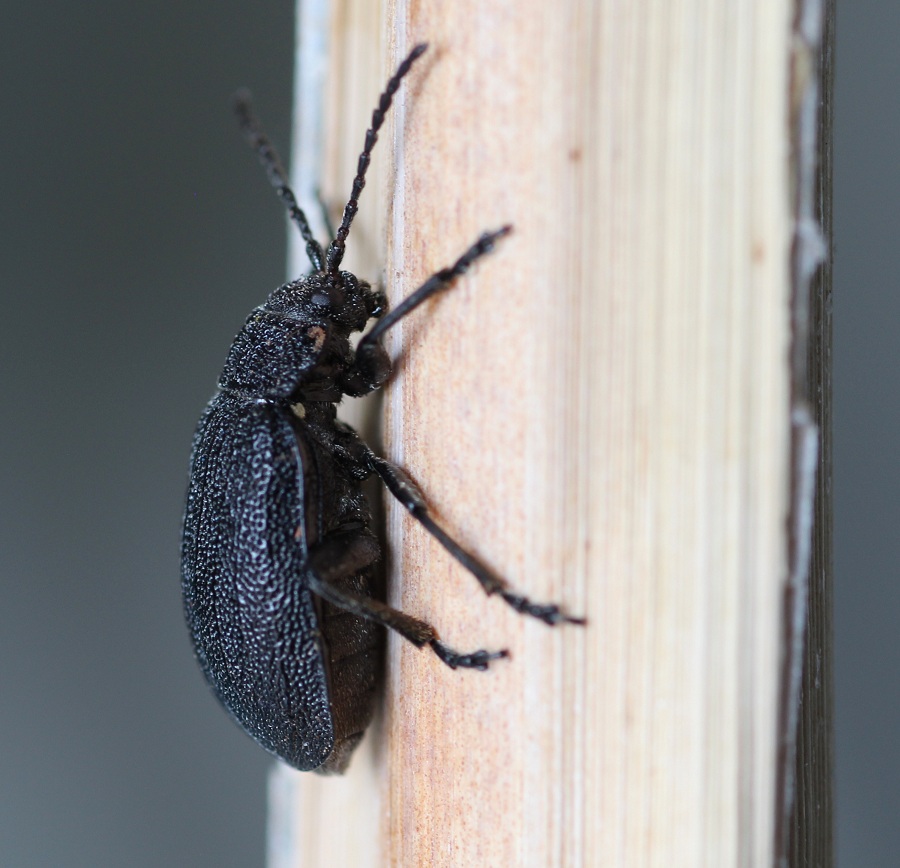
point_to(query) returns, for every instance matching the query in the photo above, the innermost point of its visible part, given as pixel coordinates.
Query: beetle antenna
(336, 248)
(268, 156)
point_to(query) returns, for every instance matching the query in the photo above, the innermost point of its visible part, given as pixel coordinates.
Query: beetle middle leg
(343, 553)
(408, 493)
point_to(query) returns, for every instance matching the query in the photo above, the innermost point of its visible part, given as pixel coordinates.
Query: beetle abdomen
(354, 653)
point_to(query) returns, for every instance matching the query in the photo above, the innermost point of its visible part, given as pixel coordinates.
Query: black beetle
(278, 550)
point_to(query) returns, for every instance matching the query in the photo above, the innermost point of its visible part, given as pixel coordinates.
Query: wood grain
(601, 411)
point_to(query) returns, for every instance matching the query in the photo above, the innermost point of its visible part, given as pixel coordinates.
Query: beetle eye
(320, 299)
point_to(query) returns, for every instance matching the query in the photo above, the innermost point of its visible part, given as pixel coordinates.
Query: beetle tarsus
(548, 613)
(476, 660)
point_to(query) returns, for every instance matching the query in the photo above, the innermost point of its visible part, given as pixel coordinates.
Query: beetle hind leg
(358, 551)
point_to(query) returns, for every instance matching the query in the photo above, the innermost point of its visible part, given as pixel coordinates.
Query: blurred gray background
(137, 233)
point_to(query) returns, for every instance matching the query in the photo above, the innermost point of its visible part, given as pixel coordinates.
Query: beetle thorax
(298, 343)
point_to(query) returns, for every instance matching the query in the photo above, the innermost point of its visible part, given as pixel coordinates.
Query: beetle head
(298, 342)
(341, 301)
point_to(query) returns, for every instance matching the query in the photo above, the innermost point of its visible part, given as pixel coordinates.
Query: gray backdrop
(137, 233)
(867, 433)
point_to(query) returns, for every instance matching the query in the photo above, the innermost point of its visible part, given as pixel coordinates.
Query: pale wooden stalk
(602, 411)
(334, 821)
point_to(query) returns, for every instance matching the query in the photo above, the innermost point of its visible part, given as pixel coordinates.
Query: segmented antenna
(277, 175)
(336, 248)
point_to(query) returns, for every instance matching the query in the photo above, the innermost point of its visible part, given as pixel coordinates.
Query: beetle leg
(345, 553)
(341, 554)
(325, 211)
(418, 632)
(371, 366)
(408, 493)
(438, 281)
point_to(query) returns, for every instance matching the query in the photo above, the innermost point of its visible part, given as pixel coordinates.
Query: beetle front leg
(370, 370)
(345, 553)
(372, 366)
(407, 492)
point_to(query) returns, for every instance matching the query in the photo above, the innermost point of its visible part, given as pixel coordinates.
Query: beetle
(278, 548)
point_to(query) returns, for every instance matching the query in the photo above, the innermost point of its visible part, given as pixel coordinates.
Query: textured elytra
(261, 639)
